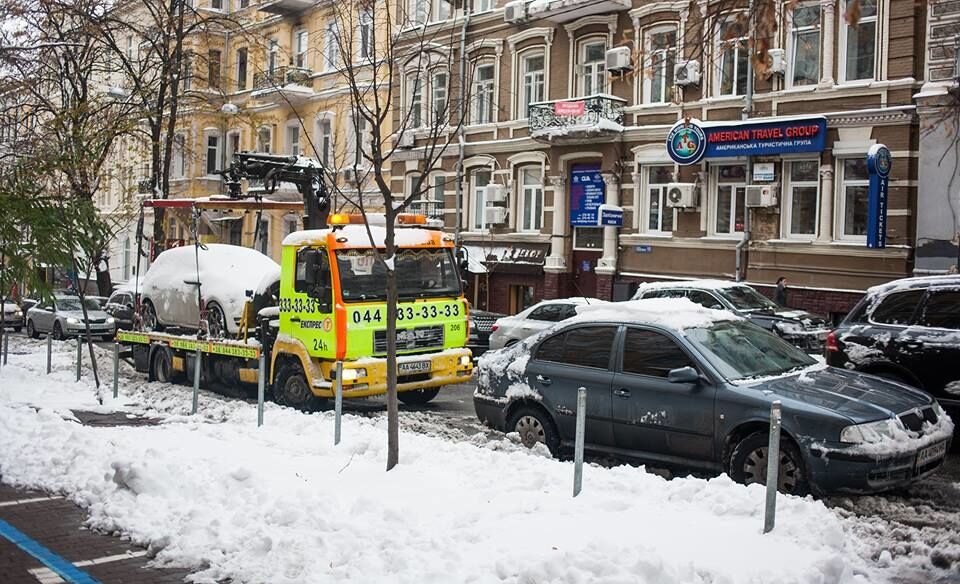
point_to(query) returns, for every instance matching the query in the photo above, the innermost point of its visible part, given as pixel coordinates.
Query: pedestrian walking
(781, 294)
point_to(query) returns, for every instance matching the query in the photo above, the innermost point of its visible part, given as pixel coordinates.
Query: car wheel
(58, 332)
(148, 315)
(533, 426)
(292, 389)
(32, 330)
(748, 464)
(216, 321)
(418, 397)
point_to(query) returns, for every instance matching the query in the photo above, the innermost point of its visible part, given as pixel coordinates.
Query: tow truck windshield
(421, 273)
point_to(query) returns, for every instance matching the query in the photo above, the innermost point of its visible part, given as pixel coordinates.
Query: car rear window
(942, 310)
(588, 346)
(897, 308)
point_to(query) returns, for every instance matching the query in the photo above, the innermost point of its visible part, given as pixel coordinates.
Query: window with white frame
(804, 47)
(414, 100)
(854, 197)
(859, 42)
(290, 224)
(483, 94)
(442, 9)
(332, 46)
(361, 140)
(265, 139)
(478, 186)
(531, 198)
(438, 98)
(533, 84)
(732, 59)
(293, 140)
(418, 11)
(241, 69)
(212, 163)
(660, 45)
(233, 144)
(415, 189)
(365, 35)
(731, 191)
(213, 68)
(325, 138)
(438, 183)
(273, 57)
(803, 198)
(300, 46)
(216, 4)
(187, 70)
(482, 6)
(659, 217)
(263, 237)
(591, 71)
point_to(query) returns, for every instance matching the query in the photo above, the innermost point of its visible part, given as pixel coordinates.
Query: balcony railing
(576, 119)
(280, 77)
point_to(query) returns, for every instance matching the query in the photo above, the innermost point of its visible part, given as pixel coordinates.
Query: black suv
(908, 331)
(481, 325)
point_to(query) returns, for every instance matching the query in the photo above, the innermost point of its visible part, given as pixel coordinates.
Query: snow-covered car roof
(919, 282)
(703, 284)
(672, 313)
(578, 300)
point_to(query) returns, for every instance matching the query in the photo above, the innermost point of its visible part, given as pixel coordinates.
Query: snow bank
(281, 504)
(674, 313)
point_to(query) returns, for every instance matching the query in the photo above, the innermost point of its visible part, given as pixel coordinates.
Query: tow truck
(332, 303)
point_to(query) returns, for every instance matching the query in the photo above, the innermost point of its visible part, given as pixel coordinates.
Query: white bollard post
(116, 369)
(578, 445)
(196, 380)
(49, 352)
(773, 467)
(261, 380)
(337, 403)
(79, 355)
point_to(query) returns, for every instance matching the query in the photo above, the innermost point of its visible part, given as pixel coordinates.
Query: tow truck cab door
(306, 300)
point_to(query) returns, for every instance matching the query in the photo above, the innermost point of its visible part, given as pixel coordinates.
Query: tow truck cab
(333, 308)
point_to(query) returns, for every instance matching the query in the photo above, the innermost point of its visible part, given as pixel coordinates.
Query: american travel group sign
(689, 141)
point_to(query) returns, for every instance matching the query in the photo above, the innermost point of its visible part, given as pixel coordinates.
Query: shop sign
(762, 172)
(879, 163)
(643, 248)
(568, 108)
(690, 141)
(611, 216)
(587, 193)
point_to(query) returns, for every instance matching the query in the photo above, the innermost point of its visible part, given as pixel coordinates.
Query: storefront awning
(509, 258)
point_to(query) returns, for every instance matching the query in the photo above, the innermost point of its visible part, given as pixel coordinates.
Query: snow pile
(281, 504)
(901, 440)
(673, 313)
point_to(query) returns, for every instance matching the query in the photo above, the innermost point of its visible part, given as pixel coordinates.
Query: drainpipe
(745, 115)
(458, 205)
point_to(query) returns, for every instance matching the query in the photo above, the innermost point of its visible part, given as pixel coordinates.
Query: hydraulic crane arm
(273, 169)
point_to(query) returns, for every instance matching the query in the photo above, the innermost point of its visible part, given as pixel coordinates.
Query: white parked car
(512, 329)
(168, 292)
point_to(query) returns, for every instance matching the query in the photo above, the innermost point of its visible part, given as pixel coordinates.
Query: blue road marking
(62, 567)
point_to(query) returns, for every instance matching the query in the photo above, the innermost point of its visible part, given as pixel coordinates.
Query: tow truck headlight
(354, 374)
(871, 432)
(71, 320)
(464, 360)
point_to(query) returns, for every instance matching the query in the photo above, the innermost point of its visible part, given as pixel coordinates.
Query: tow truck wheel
(162, 367)
(291, 388)
(418, 397)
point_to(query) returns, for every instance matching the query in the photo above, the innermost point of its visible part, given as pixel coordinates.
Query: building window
(442, 9)
(241, 69)
(264, 140)
(365, 36)
(438, 98)
(233, 145)
(482, 6)
(263, 237)
(805, 45)
(332, 46)
(855, 188)
(860, 42)
(660, 217)
(533, 81)
(592, 69)
(480, 180)
(273, 57)
(213, 69)
(361, 141)
(325, 126)
(415, 97)
(179, 169)
(531, 199)
(244, 3)
(289, 226)
(731, 185)
(661, 49)
(587, 237)
(300, 46)
(414, 190)
(187, 70)
(216, 4)
(732, 70)
(803, 198)
(418, 12)
(483, 94)
(213, 154)
(437, 185)
(293, 140)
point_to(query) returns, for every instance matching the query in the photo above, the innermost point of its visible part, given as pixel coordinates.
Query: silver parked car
(509, 330)
(63, 317)
(12, 316)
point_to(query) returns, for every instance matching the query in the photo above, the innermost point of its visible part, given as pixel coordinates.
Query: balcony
(293, 82)
(285, 7)
(573, 120)
(560, 11)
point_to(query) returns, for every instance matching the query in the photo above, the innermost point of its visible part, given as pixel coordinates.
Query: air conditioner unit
(515, 12)
(495, 215)
(762, 195)
(349, 175)
(496, 193)
(681, 195)
(619, 60)
(687, 73)
(777, 62)
(405, 140)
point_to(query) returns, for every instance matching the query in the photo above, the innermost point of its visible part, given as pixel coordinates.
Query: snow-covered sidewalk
(281, 504)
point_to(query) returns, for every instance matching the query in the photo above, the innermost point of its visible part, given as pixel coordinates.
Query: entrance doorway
(584, 276)
(521, 298)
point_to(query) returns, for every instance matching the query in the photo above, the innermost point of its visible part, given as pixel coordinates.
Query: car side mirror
(683, 375)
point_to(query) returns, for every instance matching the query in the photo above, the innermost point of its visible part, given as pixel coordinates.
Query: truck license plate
(413, 367)
(931, 453)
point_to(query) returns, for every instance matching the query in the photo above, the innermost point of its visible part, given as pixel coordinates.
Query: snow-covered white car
(512, 329)
(225, 273)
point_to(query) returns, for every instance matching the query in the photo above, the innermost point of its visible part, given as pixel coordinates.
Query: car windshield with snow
(673, 383)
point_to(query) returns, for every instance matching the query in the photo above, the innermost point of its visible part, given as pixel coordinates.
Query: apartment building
(551, 134)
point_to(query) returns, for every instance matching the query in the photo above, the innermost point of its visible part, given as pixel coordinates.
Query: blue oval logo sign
(686, 142)
(879, 160)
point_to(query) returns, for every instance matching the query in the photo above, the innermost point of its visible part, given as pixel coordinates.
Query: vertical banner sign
(879, 163)
(587, 193)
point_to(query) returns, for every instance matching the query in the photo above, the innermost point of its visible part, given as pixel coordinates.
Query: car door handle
(621, 392)
(544, 380)
(913, 345)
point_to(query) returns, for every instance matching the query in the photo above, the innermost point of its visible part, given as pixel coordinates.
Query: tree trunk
(393, 419)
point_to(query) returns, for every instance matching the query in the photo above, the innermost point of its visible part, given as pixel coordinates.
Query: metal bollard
(49, 353)
(773, 467)
(116, 370)
(6, 347)
(337, 403)
(196, 380)
(261, 380)
(578, 445)
(79, 355)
